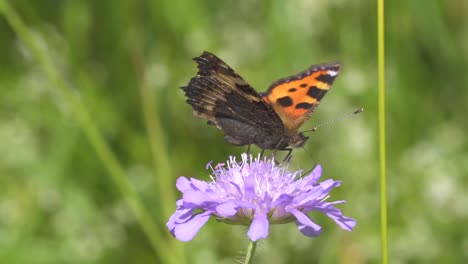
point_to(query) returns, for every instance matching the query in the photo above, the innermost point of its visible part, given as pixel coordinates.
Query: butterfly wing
(221, 96)
(295, 98)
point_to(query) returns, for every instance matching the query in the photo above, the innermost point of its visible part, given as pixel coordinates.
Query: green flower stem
(250, 252)
(382, 140)
(109, 160)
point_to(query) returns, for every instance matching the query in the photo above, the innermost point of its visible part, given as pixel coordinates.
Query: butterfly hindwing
(221, 96)
(295, 98)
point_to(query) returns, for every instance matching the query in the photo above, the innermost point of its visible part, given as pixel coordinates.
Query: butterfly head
(298, 140)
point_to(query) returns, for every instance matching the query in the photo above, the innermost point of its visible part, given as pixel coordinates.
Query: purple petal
(230, 208)
(280, 206)
(335, 202)
(187, 231)
(196, 197)
(238, 188)
(314, 175)
(243, 204)
(305, 225)
(266, 202)
(310, 198)
(329, 184)
(180, 216)
(183, 184)
(282, 201)
(344, 222)
(227, 209)
(199, 185)
(171, 223)
(259, 227)
(249, 187)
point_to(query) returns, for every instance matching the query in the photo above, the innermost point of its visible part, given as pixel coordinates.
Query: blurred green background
(61, 201)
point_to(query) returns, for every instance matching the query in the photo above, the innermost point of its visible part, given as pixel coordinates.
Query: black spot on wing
(326, 78)
(285, 101)
(304, 85)
(292, 90)
(316, 92)
(304, 106)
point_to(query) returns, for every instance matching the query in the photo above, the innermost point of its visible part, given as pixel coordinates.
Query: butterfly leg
(289, 155)
(248, 149)
(261, 153)
(273, 153)
(273, 156)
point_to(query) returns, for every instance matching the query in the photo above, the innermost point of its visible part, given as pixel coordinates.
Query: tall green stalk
(382, 140)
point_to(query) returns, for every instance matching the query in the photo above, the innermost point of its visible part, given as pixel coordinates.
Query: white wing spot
(332, 73)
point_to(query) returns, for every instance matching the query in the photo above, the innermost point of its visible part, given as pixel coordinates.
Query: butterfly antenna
(358, 111)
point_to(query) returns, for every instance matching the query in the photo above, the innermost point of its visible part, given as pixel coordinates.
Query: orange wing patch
(295, 98)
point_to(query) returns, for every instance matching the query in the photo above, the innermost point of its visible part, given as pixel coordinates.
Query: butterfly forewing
(295, 98)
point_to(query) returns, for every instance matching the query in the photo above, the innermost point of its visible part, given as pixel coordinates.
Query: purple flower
(254, 192)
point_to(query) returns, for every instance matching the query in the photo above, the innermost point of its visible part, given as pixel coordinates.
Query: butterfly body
(270, 120)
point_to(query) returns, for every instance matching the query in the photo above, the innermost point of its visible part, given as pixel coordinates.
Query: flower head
(254, 192)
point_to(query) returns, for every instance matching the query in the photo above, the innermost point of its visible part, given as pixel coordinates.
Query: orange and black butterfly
(270, 120)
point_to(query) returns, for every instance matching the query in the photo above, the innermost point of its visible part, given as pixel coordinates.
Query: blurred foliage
(125, 60)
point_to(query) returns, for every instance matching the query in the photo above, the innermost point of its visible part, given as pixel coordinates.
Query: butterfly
(270, 120)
